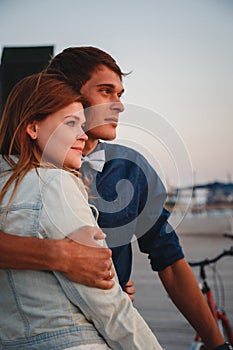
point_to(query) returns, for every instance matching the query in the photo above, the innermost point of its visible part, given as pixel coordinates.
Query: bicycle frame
(225, 321)
(210, 300)
(218, 314)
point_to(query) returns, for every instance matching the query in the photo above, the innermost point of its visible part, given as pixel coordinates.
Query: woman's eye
(70, 123)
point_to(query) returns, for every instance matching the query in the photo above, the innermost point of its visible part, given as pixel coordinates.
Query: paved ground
(170, 327)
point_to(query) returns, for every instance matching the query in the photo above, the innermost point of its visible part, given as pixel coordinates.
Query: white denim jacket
(43, 310)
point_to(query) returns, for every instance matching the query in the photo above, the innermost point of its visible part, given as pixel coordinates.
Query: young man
(122, 213)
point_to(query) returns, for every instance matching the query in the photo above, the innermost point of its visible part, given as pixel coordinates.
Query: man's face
(103, 92)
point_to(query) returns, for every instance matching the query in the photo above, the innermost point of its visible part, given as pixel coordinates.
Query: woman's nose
(82, 137)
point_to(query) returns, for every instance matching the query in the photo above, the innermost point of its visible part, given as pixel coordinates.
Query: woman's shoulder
(56, 174)
(60, 179)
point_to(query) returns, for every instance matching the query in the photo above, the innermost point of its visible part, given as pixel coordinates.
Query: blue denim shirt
(130, 198)
(42, 309)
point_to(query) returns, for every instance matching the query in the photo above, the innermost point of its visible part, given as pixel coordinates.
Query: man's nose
(118, 106)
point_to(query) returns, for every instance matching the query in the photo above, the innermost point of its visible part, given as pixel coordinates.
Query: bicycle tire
(224, 331)
(197, 345)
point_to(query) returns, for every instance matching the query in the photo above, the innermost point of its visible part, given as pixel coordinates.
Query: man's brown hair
(77, 64)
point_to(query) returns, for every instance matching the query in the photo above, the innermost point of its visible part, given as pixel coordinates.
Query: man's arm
(81, 263)
(181, 285)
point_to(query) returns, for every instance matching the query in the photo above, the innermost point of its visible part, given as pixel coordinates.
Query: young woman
(41, 142)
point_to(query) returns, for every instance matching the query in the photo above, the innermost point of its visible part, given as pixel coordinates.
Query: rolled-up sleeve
(161, 243)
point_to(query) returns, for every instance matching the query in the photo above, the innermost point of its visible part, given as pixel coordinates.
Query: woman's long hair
(33, 98)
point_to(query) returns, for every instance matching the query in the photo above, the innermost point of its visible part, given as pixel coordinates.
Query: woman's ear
(32, 130)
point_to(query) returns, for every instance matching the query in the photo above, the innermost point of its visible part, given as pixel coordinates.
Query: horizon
(180, 55)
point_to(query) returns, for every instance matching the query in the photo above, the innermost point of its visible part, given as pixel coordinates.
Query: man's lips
(111, 120)
(78, 149)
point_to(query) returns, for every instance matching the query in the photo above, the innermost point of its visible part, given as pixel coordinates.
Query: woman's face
(60, 136)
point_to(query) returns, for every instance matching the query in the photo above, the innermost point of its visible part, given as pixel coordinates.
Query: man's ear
(32, 130)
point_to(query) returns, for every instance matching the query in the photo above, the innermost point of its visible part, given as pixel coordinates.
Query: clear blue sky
(180, 53)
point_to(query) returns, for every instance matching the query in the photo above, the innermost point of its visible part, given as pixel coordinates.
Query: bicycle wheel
(225, 331)
(197, 345)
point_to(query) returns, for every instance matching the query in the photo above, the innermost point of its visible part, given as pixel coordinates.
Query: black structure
(19, 62)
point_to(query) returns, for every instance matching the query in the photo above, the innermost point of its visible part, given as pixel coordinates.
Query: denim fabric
(45, 310)
(90, 347)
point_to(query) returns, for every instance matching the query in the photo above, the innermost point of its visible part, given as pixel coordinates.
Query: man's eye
(70, 123)
(106, 91)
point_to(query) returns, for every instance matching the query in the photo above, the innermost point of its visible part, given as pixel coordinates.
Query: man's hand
(79, 257)
(88, 235)
(84, 260)
(130, 289)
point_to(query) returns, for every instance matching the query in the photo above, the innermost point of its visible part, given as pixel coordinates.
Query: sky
(179, 95)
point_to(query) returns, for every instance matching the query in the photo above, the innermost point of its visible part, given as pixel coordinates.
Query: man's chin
(103, 136)
(108, 138)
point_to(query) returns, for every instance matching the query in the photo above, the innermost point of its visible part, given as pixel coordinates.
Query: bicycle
(218, 312)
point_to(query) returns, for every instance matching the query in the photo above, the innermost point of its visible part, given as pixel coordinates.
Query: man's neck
(90, 145)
